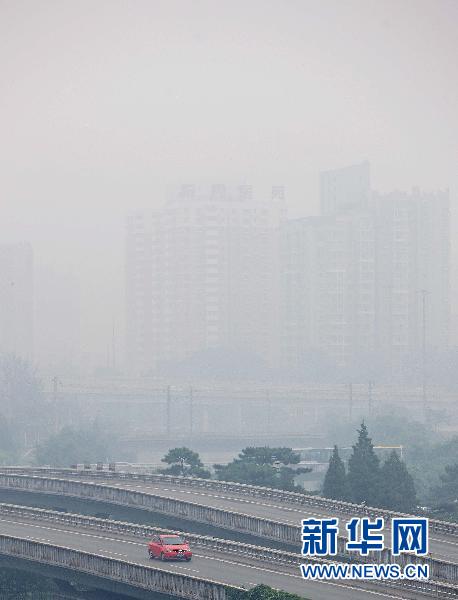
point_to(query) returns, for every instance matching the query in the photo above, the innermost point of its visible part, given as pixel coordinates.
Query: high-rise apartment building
(203, 273)
(344, 190)
(369, 279)
(413, 253)
(16, 300)
(329, 279)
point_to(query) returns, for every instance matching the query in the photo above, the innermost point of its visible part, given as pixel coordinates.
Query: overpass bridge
(116, 552)
(272, 515)
(146, 407)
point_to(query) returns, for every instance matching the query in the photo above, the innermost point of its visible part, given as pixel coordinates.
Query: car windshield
(173, 539)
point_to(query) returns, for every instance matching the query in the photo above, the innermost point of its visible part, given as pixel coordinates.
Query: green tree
(265, 455)
(364, 471)
(397, 490)
(185, 462)
(263, 466)
(16, 584)
(426, 462)
(335, 484)
(262, 592)
(71, 446)
(447, 491)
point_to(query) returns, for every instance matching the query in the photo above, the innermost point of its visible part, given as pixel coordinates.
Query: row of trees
(71, 445)
(385, 485)
(264, 466)
(388, 485)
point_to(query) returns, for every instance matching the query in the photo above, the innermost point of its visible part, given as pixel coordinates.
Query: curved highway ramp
(259, 512)
(117, 551)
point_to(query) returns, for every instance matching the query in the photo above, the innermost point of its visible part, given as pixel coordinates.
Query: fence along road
(264, 512)
(441, 570)
(117, 551)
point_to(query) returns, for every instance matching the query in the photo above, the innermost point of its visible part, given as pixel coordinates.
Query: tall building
(16, 300)
(329, 279)
(413, 255)
(202, 273)
(346, 189)
(368, 280)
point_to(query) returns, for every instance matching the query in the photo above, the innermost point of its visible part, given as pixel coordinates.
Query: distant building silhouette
(346, 189)
(16, 300)
(413, 255)
(203, 273)
(356, 279)
(364, 286)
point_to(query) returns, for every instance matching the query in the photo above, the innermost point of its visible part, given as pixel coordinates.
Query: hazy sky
(104, 102)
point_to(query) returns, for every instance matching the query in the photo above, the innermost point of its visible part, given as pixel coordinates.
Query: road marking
(164, 566)
(112, 552)
(127, 486)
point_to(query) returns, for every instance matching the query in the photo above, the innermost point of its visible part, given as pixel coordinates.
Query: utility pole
(113, 347)
(168, 412)
(269, 412)
(350, 401)
(55, 383)
(423, 375)
(369, 399)
(191, 410)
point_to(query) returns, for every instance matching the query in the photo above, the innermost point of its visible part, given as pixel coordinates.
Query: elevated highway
(269, 514)
(117, 551)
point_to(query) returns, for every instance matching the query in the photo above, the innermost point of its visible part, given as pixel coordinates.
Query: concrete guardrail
(248, 524)
(133, 574)
(442, 570)
(335, 506)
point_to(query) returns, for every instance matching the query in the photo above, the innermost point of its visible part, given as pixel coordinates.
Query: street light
(423, 293)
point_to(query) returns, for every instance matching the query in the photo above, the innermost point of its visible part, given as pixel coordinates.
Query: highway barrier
(289, 559)
(192, 511)
(337, 507)
(248, 524)
(136, 575)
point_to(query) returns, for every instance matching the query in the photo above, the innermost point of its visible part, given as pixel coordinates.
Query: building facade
(413, 278)
(202, 274)
(366, 284)
(363, 287)
(330, 289)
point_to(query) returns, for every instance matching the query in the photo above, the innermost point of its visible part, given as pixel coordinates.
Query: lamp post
(423, 293)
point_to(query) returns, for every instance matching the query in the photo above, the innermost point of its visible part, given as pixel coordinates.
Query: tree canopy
(265, 455)
(390, 486)
(184, 461)
(397, 490)
(447, 491)
(70, 446)
(263, 466)
(364, 470)
(262, 592)
(335, 483)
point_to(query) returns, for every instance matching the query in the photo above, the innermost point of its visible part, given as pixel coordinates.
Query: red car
(169, 547)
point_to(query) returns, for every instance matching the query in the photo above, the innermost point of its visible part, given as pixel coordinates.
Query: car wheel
(151, 555)
(162, 557)
(188, 559)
